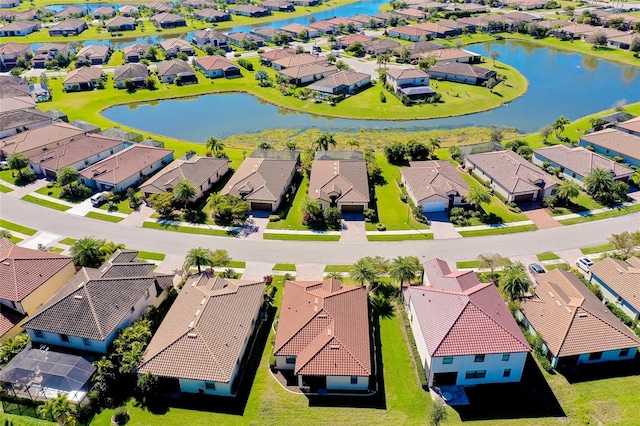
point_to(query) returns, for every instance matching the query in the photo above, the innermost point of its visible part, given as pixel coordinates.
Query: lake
(560, 83)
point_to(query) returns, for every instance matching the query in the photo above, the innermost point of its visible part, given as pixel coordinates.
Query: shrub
(620, 314)
(380, 227)
(121, 415)
(333, 218)
(246, 64)
(618, 159)
(383, 98)
(237, 55)
(274, 218)
(370, 215)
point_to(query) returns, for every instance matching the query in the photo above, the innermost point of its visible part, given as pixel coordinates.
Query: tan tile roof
(12, 48)
(20, 26)
(139, 48)
(16, 103)
(447, 54)
(119, 21)
(615, 140)
(581, 160)
(166, 17)
(632, 125)
(326, 326)
(294, 28)
(411, 31)
(346, 179)
(461, 69)
(69, 24)
(428, 178)
(173, 67)
(623, 277)
(571, 319)
(125, 163)
(197, 170)
(342, 78)
(175, 43)
(205, 331)
(39, 137)
(74, 151)
(350, 39)
(309, 70)
(262, 179)
(23, 270)
(297, 60)
(406, 73)
(215, 62)
(132, 71)
(511, 171)
(47, 47)
(275, 54)
(83, 75)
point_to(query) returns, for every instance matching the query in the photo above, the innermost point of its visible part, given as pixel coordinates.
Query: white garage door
(435, 206)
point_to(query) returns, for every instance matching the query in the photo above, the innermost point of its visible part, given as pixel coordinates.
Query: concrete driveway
(441, 227)
(539, 216)
(353, 228)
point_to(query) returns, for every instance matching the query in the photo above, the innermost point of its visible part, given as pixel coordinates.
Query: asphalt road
(174, 243)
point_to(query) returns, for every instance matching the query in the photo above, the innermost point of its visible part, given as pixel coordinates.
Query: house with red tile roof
(463, 330)
(323, 335)
(619, 281)
(203, 342)
(41, 139)
(28, 278)
(576, 327)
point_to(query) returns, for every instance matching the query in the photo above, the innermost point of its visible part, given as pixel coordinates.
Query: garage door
(435, 206)
(523, 198)
(50, 173)
(352, 209)
(261, 206)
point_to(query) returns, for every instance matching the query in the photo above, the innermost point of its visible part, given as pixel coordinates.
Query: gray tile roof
(615, 140)
(263, 179)
(346, 179)
(132, 71)
(581, 160)
(174, 67)
(198, 170)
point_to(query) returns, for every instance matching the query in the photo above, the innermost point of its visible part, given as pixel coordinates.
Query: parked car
(4, 165)
(584, 263)
(534, 268)
(97, 199)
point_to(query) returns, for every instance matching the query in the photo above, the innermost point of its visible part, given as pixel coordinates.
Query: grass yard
(188, 229)
(498, 231)
(564, 266)
(7, 175)
(581, 204)
(547, 256)
(468, 264)
(337, 268)
(5, 189)
(150, 255)
(16, 228)
(67, 241)
(45, 203)
(597, 249)
(284, 267)
(291, 215)
(399, 237)
(301, 237)
(105, 217)
(55, 192)
(604, 215)
(236, 264)
(496, 206)
(122, 206)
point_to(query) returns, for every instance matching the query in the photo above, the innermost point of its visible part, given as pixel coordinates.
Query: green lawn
(67, 241)
(55, 191)
(7, 176)
(468, 264)
(45, 203)
(597, 249)
(301, 237)
(399, 237)
(604, 215)
(292, 219)
(5, 189)
(150, 255)
(547, 256)
(496, 206)
(580, 204)
(188, 229)
(17, 228)
(105, 217)
(337, 268)
(284, 267)
(122, 206)
(498, 231)
(236, 264)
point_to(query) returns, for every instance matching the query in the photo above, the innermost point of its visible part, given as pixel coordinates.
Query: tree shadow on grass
(600, 371)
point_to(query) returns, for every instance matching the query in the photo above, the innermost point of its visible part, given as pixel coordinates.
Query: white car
(584, 263)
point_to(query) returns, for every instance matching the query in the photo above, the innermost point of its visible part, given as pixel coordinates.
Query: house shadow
(600, 371)
(376, 401)
(531, 398)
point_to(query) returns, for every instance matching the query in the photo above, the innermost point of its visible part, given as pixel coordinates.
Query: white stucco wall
(197, 386)
(421, 344)
(613, 355)
(492, 364)
(344, 383)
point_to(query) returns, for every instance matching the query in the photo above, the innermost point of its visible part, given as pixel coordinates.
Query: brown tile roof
(5, 243)
(623, 277)
(130, 71)
(125, 163)
(69, 25)
(511, 171)
(411, 31)
(350, 39)
(120, 21)
(632, 125)
(12, 48)
(406, 73)
(615, 140)
(297, 60)
(571, 319)
(262, 179)
(173, 67)
(461, 69)
(22, 118)
(41, 136)
(47, 47)
(326, 326)
(448, 54)
(166, 17)
(378, 44)
(16, 103)
(205, 331)
(9, 319)
(197, 170)
(23, 270)
(211, 13)
(346, 179)
(462, 316)
(94, 302)
(342, 78)
(139, 48)
(581, 160)
(215, 62)
(176, 44)
(428, 178)
(249, 8)
(74, 151)
(309, 70)
(275, 54)
(422, 46)
(83, 75)
(20, 26)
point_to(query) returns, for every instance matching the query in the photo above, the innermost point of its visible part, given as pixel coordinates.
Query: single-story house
(87, 313)
(217, 66)
(136, 72)
(380, 45)
(6, 4)
(169, 71)
(85, 78)
(212, 15)
(461, 72)
(202, 172)
(78, 154)
(614, 143)
(47, 52)
(95, 54)
(120, 23)
(466, 7)
(304, 74)
(135, 52)
(290, 61)
(269, 56)
(434, 186)
(168, 20)
(195, 4)
(346, 22)
(71, 12)
(463, 330)
(11, 52)
(419, 47)
(18, 121)
(367, 21)
(522, 16)
(622, 41)
(294, 31)
(68, 27)
(250, 10)
(324, 337)
(242, 38)
(619, 281)
(450, 55)
(438, 29)
(206, 337)
(411, 14)
(306, 3)
(104, 11)
(263, 179)
(410, 32)
(343, 184)
(278, 5)
(512, 176)
(345, 41)
(16, 103)
(129, 10)
(19, 28)
(631, 126)
(158, 6)
(27, 15)
(576, 163)
(342, 83)
(270, 34)
(323, 27)
(576, 327)
(28, 278)
(32, 142)
(173, 46)
(210, 37)
(410, 82)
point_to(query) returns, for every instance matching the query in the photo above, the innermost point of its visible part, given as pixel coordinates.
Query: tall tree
(291, 145)
(265, 145)
(545, 132)
(60, 409)
(438, 413)
(198, 257)
(568, 190)
(109, 247)
(353, 144)
(514, 281)
(598, 183)
(403, 269)
(184, 192)
(18, 162)
(86, 252)
(559, 125)
(625, 242)
(309, 206)
(363, 271)
(491, 261)
(215, 145)
(324, 141)
(495, 55)
(477, 196)
(67, 176)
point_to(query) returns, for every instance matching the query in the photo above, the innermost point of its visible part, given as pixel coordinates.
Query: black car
(534, 268)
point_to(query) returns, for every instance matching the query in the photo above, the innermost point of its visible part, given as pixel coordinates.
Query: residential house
(463, 330)
(614, 143)
(94, 54)
(270, 34)
(410, 82)
(368, 21)
(295, 30)
(173, 46)
(169, 71)
(202, 172)
(212, 15)
(264, 178)
(379, 46)
(136, 52)
(290, 61)
(304, 74)
(324, 337)
(47, 52)
(136, 72)
(345, 42)
(245, 40)
(269, 56)
(125, 168)
(410, 32)
(158, 7)
(206, 338)
(439, 30)
(411, 14)
(512, 176)
(11, 52)
(434, 186)
(28, 278)
(78, 154)
(576, 163)
(18, 121)
(32, 142)
(211, 38)
(27, 15)
(342, 83)
(104, 12)
(195, 4)
(85, 78)
(71, 12)
(419, 47)
(345, 23)
(19, 28)
(619, 281)
(217, 66)
(120, 23)
(523, 17)
(6, 4)
(250, 10)
(68, 27)
(631, 126)
(168, 20)
(623, 41)
(576, 327)
(16, 103)
(278, 5)
(466, 7)
(340, 183)
(450, 55)
(461, 72)
(322, 27)
(129, 10)
(306, 3)
(87, 313)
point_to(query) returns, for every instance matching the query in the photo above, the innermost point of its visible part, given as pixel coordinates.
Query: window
(475, 374)
(40, 334)
(354, 380)
(447, 360)
(479, 358)
(506, 372)
(86, 342)
(133, 308)
(595, 356)
(291, 360)
(64, 338)
(209, 385)
(146, 294)
(505, 357)
(624, 352)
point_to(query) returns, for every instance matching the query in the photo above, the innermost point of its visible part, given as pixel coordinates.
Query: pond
(560, 83)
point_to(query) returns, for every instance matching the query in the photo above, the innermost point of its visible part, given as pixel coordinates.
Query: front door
(445, 379)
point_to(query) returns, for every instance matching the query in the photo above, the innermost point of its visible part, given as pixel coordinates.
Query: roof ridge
(450, 328)
(496, 322)
(315, 315)
(566, 332)
(605, 322)
(93, 311)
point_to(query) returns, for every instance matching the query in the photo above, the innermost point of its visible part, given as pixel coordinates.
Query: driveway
(310, 271)
(353, 228)
(539, 216)
(257, 270)
(441, 227)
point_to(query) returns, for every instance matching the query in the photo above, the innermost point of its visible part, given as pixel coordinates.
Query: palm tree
(434, 143)
(323, 142)
(291, 145)
(362, 271)
(598, 182)
(198, 256)
(109, 247)
(514, 281)
(478, 196)
(215, 145)
(495, 55)
(5, 234)
(559, 125)
(491, 261)
(17, 161)
(403, 268)
(105, 370)
(265, 145)
(335, 275)
(60, 409)
(568, 190)
(309, 206)
(184, 191)
(86, 252)
(67, 176)
(353, 144)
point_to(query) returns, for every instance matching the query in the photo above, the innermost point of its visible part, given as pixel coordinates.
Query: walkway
(540, 217)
